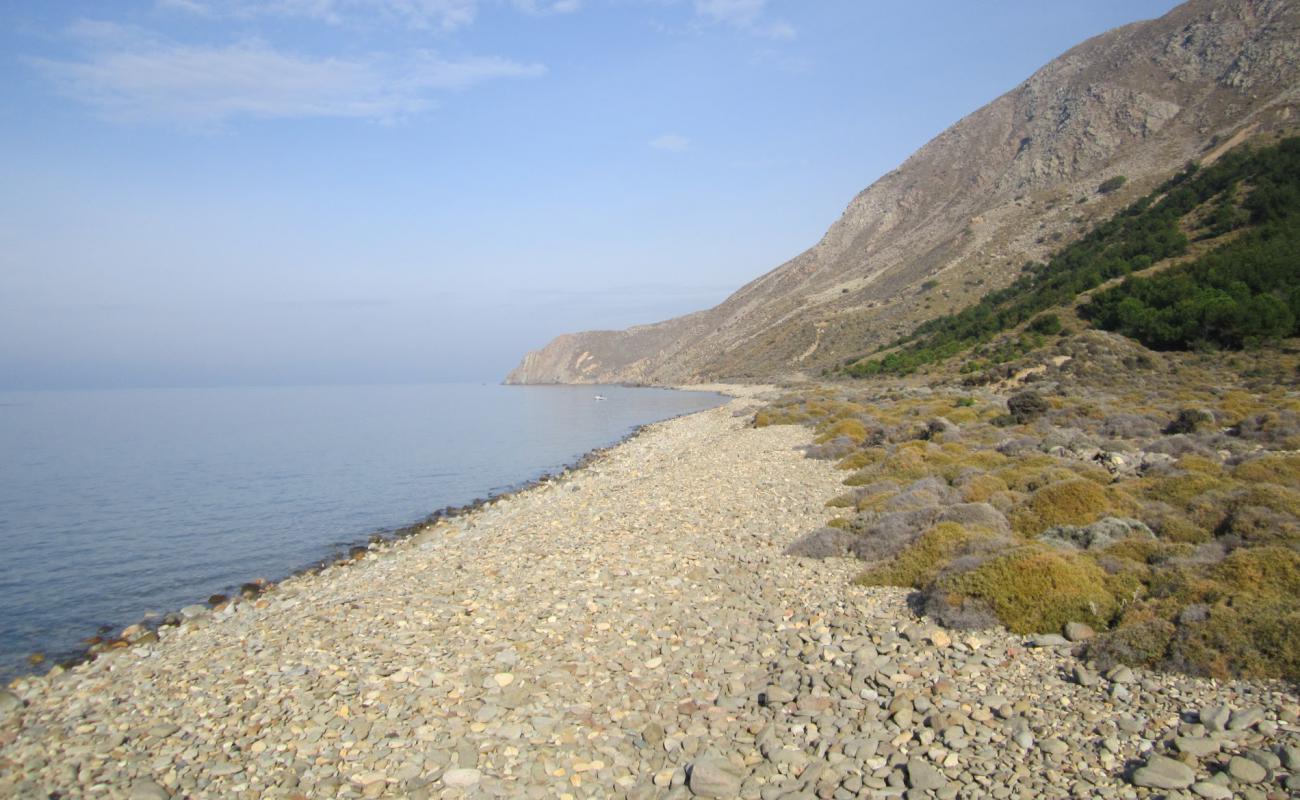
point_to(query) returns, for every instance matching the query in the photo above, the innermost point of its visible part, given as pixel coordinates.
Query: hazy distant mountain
(1007, 184)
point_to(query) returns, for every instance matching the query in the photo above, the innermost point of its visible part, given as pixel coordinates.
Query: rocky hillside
(1009, 183)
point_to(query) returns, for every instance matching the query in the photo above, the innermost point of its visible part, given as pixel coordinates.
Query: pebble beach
(630, 629)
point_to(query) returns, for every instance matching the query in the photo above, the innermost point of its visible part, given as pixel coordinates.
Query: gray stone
(1245, 718)
(148, 789)
(1215, 718)
(10, 704)
(1196, 745)
(1048, 640)
(1084, 676)
(1121, 675)
(923, 776)
(162, 730)
(1054, 746)
(1078, 631)
(193, 611)
(1246, 771)
(1290, 757)
(461, 777)
(714, 777)
(1211, 791)
(1264, 758)
(1162, 772)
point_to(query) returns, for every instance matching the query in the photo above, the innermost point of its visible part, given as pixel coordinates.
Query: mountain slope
(1006, 184)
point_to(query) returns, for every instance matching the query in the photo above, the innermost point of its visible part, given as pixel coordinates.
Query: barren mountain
(1007, 184)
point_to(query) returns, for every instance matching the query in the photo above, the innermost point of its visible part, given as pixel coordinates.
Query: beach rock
(461, 778)
(1161, 772)
(714, 777)
(1215, 718)
(10, 705)
(1078, 632)
(1245, 718)
(1211, 791)
(1196, 746)
(1246, 771)
(193, 611)
(924, 777)
(147, 789)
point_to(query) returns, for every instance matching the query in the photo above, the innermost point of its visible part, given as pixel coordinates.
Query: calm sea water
(118, 503)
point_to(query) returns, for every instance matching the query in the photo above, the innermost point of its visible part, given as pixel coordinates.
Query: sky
(263, 192)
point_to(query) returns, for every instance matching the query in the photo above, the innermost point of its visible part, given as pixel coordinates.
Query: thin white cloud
(746, 15)
(446, 15)
(740, 13)
(128, 76)
(671, 143)
(548, 7)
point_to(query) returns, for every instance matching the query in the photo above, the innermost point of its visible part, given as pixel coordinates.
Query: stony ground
(631, 629)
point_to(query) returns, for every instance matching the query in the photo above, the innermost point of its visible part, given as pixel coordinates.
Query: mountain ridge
(1004, 185)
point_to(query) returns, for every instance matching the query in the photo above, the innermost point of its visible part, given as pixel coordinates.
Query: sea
(118, 504)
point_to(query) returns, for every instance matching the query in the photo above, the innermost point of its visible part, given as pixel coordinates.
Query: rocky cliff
(1009, 183)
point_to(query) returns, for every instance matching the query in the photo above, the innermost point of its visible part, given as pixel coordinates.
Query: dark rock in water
(218, 599)
(250, 590)
(358, 551)
(821, 543)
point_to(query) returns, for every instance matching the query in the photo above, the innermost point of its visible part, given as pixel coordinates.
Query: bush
(1026, 406)
(1129, 426)
(821, 543)
(1033, 589)
(1077, 501)
(1112, 184)
(1046, 324)
(1141, 640)
(1190, 420)
(920, 563)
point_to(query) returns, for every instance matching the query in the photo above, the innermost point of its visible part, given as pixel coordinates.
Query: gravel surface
(628, 630)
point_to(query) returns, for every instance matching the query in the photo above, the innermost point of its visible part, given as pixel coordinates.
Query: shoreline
(632, 630)
(41, 663)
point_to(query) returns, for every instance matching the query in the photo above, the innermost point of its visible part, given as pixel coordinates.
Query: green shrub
(1034, 589)
(1077, 501)
(1112, 184)
(1046, 324)
(1026, 406)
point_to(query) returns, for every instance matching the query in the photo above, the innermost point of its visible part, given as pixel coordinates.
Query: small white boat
(601, 397)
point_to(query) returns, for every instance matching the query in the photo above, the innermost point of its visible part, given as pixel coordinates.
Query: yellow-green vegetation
(982, 487)
(1216, 591)
(914, 460)
(1076, 501)
(1279, 469)
(920, 564)
(849, 428)
(1035, 588)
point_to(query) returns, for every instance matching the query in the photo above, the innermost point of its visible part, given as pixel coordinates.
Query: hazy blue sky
(288, 191)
